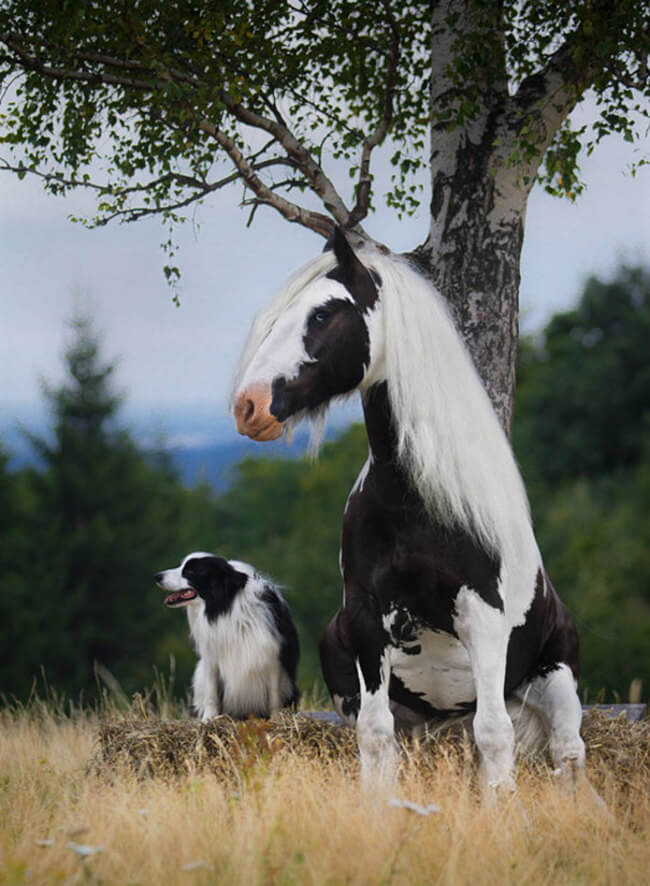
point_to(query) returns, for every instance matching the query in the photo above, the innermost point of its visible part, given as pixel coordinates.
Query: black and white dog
(243, 633)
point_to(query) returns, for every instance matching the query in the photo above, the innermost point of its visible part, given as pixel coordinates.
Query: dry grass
(261, 803)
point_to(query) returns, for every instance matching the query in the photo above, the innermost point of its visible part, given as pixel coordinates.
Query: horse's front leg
(482, 629)
(375, 726)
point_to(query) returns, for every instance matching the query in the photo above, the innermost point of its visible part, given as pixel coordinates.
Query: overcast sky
(171, 356)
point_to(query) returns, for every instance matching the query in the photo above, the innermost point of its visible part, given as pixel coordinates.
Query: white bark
(479, 200)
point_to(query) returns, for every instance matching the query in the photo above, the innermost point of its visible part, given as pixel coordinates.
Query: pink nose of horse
(253, 415)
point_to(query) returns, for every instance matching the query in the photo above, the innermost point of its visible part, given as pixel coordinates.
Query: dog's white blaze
(172, 580)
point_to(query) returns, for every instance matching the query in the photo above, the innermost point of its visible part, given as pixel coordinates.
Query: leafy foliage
(596, 541)
(165, 92)
(584, 393)
(139, 78)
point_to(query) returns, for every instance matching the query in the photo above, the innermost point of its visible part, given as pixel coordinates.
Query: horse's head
(318, 347)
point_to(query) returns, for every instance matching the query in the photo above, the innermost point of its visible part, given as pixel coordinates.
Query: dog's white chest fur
(239, 652)
(243, 633)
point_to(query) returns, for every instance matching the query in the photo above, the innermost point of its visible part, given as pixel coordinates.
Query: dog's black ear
(213, 574)
(234, 581)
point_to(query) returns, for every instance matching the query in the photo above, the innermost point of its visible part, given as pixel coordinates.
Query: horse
(447, 609)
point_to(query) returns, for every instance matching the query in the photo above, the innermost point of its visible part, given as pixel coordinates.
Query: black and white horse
(447, 608)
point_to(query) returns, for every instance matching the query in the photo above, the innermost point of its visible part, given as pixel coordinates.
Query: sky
(172, 359)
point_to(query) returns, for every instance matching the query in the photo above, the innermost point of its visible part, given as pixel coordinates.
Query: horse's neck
(379, 424)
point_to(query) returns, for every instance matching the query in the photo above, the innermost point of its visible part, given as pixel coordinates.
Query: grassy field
(278, 815)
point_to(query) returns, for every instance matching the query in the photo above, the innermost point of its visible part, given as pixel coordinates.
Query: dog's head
(204, 577)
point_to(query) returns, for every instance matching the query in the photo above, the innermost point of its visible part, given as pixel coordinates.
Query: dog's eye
(320, 317)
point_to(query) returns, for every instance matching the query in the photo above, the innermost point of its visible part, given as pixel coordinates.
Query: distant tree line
(582, 437)
(81, 537)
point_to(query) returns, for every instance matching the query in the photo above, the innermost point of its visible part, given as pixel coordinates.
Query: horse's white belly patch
(440, 673)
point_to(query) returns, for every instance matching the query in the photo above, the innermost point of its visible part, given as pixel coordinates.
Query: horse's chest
(432, 665)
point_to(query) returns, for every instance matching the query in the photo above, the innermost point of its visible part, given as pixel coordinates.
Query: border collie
(243, 633)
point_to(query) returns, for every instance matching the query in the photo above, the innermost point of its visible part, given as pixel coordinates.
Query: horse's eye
(320, 318)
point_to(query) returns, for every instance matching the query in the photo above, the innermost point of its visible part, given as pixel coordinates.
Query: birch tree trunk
(479, 199)
(472, 255)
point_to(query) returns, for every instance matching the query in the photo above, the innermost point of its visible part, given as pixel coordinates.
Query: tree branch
(21, 169)
(297, 154)
(31, 63)
(360, 209)
(201, 187)
(315, 221)
(557, 76)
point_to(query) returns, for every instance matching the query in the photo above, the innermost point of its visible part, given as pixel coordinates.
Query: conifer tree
(106, 519)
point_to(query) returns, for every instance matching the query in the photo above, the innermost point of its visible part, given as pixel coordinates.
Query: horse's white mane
(449, 437)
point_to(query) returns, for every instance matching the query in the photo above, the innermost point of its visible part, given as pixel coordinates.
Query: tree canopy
(159, 94)
(584, 389)
(154, 106)
(582, 437)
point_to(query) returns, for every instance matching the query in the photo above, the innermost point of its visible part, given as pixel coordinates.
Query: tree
(18, 603)
(596, 538)
(93, 526)
(582, 435)
(281, 89)
(583, 401)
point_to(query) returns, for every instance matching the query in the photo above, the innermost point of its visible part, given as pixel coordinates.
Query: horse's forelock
(267, 317)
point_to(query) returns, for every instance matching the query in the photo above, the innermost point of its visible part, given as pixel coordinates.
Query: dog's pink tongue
(177, 596)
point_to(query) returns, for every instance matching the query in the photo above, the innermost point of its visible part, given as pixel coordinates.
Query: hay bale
(230, 749)
(169, 748)
(617, 744)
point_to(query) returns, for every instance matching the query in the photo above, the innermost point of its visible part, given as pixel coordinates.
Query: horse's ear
(360, 281)
(348, 263)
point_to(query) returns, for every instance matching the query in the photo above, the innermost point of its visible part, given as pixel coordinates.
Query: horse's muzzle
(253, 414)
